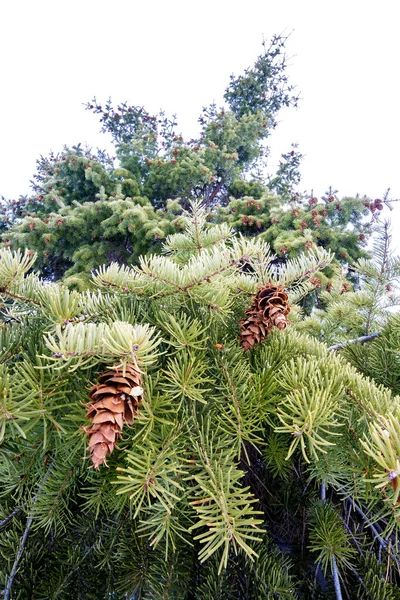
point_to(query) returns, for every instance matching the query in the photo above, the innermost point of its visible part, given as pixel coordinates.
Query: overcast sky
(178, 55)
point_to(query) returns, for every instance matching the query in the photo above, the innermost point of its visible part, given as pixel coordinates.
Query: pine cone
(268, 310)
(114, 400)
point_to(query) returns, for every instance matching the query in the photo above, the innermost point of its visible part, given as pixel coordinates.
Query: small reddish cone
(113, 401)
(269, 309)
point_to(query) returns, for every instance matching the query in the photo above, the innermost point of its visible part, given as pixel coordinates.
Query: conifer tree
(148, 452)
(88, 209)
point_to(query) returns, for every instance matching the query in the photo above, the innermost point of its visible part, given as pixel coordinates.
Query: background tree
(87, 211)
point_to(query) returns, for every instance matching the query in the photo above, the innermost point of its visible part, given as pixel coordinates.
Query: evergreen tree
(227, 454)
(87, 211)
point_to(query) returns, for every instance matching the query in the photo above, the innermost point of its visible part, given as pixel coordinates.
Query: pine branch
(6, 592)
(383, 252)
(302, 267)
(360, 340)
(378, 538)
(180, 242)
(352, 569)
(72, 571)
(13, 267)
(336, 582)
(15, 296)
(11, 515)
(88, 343)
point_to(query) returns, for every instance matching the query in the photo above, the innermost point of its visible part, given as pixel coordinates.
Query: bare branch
(11, 515)
(360, 340)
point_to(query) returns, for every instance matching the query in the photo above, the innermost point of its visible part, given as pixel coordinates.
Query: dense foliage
(243, 474)
(88, 209)
(217, 473)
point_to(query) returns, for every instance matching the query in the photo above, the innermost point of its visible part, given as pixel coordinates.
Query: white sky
(178, 55)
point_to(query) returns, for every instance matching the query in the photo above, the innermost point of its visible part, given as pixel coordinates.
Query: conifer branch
(11, 515)
(384, 258)
(192, 284)
(19, 297)
(359, 340)
(352, 569)
(336, 582)
(72, 571)
(377, 536)
(6, 592)
(302, 267)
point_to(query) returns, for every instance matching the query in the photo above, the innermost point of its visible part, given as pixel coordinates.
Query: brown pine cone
(268, 309)
(114, 400)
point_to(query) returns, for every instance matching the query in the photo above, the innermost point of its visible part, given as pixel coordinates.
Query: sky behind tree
(179, 55)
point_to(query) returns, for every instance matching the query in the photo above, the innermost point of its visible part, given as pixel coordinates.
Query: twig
(78, 564)
(349, 531)
(352, 569)
(336, 582)
(335, 572)
(359, 340)
(7, 590)
(323, 491)
(379, 539)
(19, 297)
(10, 516)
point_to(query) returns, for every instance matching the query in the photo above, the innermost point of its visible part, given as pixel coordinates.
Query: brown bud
(345, 287)
(315, 281)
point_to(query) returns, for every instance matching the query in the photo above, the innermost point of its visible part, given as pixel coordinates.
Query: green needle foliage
(213, 491)
(88, 209)
(271, 473)
(328, 537)
(348, 311)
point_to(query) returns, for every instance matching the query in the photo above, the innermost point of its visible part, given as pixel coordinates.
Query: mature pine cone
(114, 400)
(268, 310)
